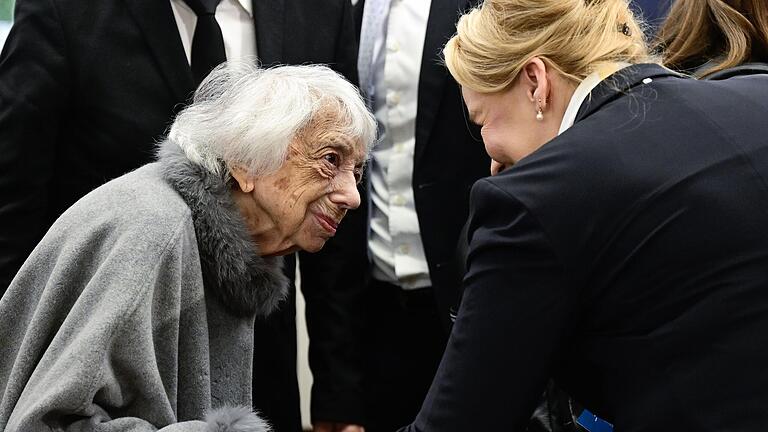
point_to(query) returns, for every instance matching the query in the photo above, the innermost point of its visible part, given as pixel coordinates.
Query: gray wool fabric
(135, 312)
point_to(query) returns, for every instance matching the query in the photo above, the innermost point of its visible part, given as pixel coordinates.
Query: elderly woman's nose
(346, 194)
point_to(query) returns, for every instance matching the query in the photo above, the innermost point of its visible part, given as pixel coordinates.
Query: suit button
(393, 98)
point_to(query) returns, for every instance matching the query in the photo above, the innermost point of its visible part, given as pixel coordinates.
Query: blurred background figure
(420, 173)
(707, 37)
(652, 12)
(88, 89)
(613, 254)
(6, 18)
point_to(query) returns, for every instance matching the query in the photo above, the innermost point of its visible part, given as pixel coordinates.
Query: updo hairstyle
(496, 39)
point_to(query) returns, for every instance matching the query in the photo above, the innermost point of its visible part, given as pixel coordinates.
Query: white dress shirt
(235, 17)
(395, 241)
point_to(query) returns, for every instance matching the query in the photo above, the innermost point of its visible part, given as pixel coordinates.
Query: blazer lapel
(619, 84)
(156, 21)
(441, 25)
(269, 17)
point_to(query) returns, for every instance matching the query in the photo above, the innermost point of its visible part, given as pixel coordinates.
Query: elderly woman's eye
(333, 158)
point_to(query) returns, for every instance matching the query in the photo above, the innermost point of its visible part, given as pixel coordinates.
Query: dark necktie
(207, 42)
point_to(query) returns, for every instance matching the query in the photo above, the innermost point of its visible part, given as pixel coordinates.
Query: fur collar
(245, 282)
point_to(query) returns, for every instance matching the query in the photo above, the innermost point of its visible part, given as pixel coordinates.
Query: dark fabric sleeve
(516, 308)
(346, 45)
(34, 87)
(332, 282)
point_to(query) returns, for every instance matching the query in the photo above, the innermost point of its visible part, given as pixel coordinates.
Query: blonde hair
(496, 39)
(730, 32)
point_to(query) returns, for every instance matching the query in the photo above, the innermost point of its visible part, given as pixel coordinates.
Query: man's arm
(34, 87)
(333, 281)
(516, 308)
(347, 45)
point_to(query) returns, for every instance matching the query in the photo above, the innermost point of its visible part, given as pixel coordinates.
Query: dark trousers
(275, 384)
(405, 341)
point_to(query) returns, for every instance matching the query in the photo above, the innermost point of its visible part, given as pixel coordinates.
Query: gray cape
(135, 312)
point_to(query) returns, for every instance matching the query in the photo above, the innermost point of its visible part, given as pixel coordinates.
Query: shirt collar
(247, 5)
(584, 90)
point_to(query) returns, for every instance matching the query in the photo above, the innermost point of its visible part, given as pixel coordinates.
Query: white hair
(242, 115)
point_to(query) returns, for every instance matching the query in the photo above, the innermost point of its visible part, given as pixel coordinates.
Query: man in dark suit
(419, 178)
(86, 89)
(628, 259)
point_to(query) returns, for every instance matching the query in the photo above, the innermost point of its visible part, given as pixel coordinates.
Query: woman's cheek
(494, 145)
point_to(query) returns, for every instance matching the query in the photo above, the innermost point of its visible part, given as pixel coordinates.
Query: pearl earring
(539, 114)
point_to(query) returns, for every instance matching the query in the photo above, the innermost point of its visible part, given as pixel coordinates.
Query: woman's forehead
(335, 136)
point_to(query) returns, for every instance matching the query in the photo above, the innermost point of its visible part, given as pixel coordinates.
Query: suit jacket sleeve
(34, 89)
(332, 282)
(515, 311)
(347, 45)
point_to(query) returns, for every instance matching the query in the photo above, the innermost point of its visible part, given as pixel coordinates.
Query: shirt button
(399, 147)
(398, 200)
(404, 249)
(393, 46)
(393, 98)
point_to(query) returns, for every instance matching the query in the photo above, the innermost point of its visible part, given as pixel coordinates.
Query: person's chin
(284, 252)
(315, 246)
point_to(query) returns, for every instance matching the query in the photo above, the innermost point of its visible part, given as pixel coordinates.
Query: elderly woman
(136, 311)
(623, 251)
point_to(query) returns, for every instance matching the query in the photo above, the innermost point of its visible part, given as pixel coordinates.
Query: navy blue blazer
(628, 259)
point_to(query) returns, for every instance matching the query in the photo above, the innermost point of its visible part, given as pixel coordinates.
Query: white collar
(247, 5)
(584, 90)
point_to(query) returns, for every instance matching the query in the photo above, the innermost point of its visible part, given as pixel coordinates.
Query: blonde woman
(623, 251)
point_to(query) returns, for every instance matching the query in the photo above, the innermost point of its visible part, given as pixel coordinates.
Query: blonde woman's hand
(497, 167)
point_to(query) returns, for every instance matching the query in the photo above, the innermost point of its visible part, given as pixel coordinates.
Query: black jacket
(628, 259)
(87, 88)
(449, 155)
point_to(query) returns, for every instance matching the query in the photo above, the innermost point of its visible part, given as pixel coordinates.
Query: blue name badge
(593, 423)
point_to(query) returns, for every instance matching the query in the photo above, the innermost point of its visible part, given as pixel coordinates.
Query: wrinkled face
(306, 199)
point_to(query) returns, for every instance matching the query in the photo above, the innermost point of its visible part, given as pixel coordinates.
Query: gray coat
(136, 311)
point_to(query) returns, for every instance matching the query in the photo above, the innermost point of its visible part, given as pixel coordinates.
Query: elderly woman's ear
(244, 180)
